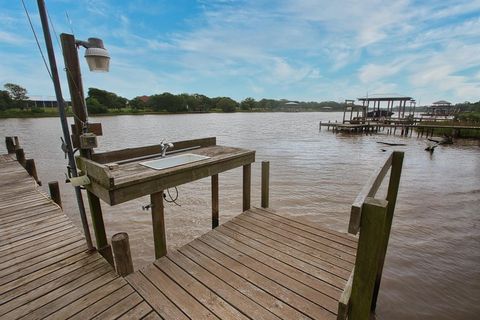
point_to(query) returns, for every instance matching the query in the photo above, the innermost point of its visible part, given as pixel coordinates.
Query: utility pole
(63, 119)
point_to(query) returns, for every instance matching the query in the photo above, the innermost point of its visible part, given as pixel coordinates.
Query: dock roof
(385, 98)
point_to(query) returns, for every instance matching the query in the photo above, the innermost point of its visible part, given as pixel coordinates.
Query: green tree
(167, 102)
(227, 104)
(107, 99)
(95, 107)
(18, 95)
(5, 100)
(137, 104)
(248, 104)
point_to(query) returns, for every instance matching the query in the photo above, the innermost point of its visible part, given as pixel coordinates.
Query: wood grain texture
(45, 269)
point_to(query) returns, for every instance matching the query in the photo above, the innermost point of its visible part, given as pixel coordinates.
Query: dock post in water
(55, 192)
(265, 183)
(158, 223)
(10, 144)
(215, 201)
(20, 154)
(247, 177)
(122, 254)
(32, 170)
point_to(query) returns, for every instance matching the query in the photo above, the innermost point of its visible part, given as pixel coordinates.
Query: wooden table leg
(158, 223)
(247, 177)
(214, 201)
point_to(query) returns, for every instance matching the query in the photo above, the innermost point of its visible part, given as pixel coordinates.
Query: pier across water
(404, 129)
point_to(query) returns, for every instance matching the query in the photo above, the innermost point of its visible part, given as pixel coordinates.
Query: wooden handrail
(369, 190)
(344, 302)
(373, 218)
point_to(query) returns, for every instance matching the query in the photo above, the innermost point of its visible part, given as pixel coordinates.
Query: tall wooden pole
(74, 77)
(63, 118)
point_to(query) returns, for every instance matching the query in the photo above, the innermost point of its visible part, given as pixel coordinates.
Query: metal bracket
(147, 207)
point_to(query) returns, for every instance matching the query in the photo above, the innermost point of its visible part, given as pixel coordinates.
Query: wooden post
(55, 192)
(122, 255)
(393, 184)
(32, 170)
(10, 144)
(99, 227)
(247, 177)
(265, 183)
(215, 219)
(372, 228)
(158, 223)
(20, 156)
(75, 85)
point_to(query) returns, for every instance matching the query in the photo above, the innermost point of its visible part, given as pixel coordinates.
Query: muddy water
(433, 263)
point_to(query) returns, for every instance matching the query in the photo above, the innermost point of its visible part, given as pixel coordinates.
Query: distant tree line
(100, 101)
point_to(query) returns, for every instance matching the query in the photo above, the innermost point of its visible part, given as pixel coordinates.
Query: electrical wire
(36, 39)
(53, 28)
(69, 22)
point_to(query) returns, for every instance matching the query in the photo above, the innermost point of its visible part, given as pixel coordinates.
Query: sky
(308, 50)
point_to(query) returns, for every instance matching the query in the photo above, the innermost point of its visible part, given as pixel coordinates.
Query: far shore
(53, 112)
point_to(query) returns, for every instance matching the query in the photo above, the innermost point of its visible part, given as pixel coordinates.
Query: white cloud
(12, 38)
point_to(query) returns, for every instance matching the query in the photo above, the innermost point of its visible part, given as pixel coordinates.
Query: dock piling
(215, 219)
(10, 144)
(20, 154)
(32, 170)
(122, 254)
(247, 179)
(158, 223)
(54, 189)
(265, 183)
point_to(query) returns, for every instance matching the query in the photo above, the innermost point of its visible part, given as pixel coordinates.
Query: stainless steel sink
(173, 161)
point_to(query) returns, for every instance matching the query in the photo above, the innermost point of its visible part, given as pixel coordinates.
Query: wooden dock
(403, 128)
(45, 269)
(259, 265)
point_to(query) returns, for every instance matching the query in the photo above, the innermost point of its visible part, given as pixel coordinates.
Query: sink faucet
(164, 147)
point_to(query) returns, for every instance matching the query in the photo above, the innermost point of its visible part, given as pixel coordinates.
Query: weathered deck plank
(259, 265)
(45, 269)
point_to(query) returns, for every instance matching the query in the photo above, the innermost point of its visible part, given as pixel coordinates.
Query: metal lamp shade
(98, 59)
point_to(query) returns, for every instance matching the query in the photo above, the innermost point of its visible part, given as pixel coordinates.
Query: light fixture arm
(90, 43)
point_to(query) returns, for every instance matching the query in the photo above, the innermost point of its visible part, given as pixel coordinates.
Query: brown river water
(432, 268)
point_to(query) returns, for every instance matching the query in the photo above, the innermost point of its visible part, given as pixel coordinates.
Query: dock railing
(371, 217)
